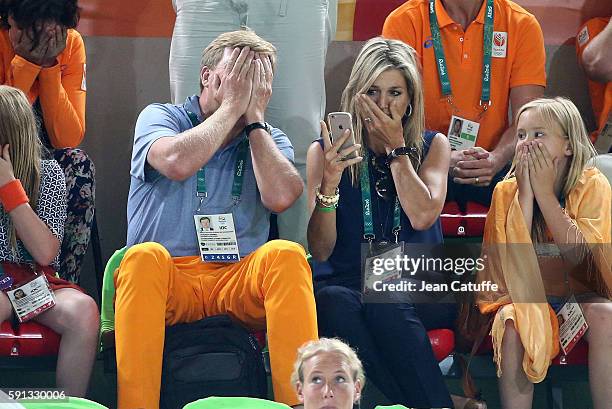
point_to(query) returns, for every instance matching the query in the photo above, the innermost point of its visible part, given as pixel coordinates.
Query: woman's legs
(406, 350)
(340, 314)
(515, 390)
(598, 314)
(75, 317)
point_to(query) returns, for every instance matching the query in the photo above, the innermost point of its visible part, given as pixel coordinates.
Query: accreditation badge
(462, 133)
(572, 325)
(381, 263)
(217, 237)
(32, 298)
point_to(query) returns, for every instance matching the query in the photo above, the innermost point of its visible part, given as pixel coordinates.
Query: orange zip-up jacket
(61, 88)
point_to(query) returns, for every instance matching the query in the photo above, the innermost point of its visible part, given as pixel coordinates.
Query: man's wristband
(12, 195)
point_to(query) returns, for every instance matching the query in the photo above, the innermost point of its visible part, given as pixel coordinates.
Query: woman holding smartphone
(404, 167)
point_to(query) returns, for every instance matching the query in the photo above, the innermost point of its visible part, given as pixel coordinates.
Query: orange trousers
(271, 288)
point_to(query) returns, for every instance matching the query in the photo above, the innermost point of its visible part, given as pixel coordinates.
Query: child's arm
(33, 231)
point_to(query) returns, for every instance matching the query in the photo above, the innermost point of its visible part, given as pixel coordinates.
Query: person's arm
(33, 232)
(324, 168)
(422, 195)
(62, 93)
(179, 157)
(485, 165)
(278, 181)
(597, 56)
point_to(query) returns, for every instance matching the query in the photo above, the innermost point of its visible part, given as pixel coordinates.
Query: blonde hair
(331, 345)
(18, 129)
(562, 113)
(245, 37)
(377, 56)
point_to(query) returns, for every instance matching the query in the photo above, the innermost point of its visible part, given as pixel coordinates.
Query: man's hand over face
(262, 89)
(237, 82)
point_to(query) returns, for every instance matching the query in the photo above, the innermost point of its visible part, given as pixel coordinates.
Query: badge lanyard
(485, 94)
(366, 202)
(239, 167)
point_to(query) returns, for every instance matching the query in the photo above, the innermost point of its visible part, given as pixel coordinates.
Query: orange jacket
(61, 88)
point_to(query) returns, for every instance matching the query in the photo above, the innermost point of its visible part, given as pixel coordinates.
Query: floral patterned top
(51, 209)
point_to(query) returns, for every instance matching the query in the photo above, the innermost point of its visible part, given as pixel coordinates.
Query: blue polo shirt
(161, 210)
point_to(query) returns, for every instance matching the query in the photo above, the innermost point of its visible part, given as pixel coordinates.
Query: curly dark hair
(27, 13)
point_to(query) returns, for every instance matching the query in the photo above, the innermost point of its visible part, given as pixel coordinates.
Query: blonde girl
(551, 197)
(32, 216)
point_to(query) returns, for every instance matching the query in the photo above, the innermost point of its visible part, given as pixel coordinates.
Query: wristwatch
(401, 151)
(257, 125)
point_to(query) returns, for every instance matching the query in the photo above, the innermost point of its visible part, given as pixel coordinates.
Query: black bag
(210, 357)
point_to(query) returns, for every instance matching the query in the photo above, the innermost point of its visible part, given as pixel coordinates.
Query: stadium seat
(470, 223)
(453, 223)
(28, 346)
(442, 342)
(475, 216)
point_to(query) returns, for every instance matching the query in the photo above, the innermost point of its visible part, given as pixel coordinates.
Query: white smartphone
(338, 123)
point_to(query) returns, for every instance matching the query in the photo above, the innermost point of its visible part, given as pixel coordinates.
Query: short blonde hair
(332, 345)
(245, 37)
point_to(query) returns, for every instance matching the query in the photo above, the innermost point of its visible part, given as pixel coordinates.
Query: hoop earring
(407, 114)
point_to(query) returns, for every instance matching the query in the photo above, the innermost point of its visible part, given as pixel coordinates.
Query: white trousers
(301, 30)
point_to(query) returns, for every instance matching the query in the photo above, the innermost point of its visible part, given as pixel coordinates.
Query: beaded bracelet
(327, 201)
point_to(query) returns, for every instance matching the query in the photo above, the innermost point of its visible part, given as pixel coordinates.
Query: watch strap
(401, 151)
(257, 125)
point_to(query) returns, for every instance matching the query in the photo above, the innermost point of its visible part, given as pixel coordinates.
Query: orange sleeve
(587, 32)
(400, 26)
(529, 67)
(22, 74)
(62, 95)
